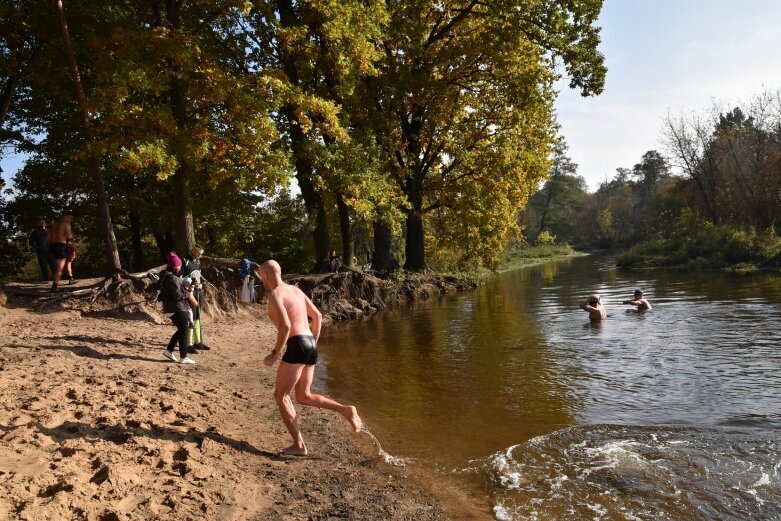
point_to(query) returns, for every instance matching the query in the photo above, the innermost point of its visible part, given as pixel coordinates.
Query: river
(512, 393)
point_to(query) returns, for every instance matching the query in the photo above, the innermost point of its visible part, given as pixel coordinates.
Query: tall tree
(112, 254)
(465, 107)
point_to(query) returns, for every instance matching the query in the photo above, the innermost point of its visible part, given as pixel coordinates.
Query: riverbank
(534, 255)
(708, 248)
(97, 425)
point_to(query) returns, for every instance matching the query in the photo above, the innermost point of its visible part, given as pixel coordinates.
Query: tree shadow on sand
(119, 435)
(89, 352)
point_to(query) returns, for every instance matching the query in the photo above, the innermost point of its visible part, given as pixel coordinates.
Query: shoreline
(98, 425)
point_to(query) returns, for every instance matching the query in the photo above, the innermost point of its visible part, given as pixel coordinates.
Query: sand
(95, 424)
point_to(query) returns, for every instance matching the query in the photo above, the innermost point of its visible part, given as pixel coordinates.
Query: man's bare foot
(354, 419)
(293, 451)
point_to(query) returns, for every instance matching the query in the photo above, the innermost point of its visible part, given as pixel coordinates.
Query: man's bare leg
(59, 264)
(305, 397)
(287, 376)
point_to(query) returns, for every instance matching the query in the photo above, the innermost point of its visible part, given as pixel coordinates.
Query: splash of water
(396, 461)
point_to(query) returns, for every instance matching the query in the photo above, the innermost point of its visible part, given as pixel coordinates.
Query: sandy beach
(95, 424)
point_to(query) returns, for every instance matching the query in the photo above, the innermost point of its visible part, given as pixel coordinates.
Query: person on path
(191, 267)
(639, 302)
(296, 346)
(59, 236)
(40, 244)
(596, 311)
(176, 304)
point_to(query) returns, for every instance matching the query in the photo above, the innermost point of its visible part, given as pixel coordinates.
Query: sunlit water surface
(511, 392)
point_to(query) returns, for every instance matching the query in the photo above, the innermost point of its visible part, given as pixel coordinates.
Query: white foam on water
(599, 510)
(764, 480)
(502, 514)
(615, 454)
(390, 459)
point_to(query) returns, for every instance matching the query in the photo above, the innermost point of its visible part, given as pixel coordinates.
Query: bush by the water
(708, 247)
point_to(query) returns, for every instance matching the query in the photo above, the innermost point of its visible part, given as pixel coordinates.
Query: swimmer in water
(596, 311)
(639, 302)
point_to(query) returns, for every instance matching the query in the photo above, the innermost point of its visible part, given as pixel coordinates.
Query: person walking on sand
(176, 304)
(639, 302)
(40, 244)
(289, 309)
(596, 311)
(59, 236)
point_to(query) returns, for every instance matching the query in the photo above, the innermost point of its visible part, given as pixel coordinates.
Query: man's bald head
(271, 269)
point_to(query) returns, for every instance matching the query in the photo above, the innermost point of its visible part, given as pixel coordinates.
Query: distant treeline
(710, 199)
(407, 127)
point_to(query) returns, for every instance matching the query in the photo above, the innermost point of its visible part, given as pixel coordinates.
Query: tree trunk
(135, 238)
(313, 201)
(383, 258)
(8, 96)
(183, 211)
(112, 255)
(165, 243)
(414, 247)
(346, 229)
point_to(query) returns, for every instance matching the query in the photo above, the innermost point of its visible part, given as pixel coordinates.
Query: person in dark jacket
(176, 304)
(191, 267)
(40, 244)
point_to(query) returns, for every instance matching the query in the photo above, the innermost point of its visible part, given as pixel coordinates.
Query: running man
(639, 302)
(289, 308)
(59, 236)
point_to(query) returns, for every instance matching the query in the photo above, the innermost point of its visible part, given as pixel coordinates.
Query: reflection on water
(465, 377)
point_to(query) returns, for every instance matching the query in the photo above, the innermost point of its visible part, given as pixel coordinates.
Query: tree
(562, 179)
(112, 255)
(463, 110)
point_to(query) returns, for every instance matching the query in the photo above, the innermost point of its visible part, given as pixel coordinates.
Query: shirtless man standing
(596, 311)
(289, 308)
(59, 236)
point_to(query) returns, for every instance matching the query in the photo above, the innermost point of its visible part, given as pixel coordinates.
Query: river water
(510, 392)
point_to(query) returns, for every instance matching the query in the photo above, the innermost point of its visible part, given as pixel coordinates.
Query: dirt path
(95, 424)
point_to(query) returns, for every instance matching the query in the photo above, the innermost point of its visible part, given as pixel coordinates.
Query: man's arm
(315, 315)
(68, 233)
(278, 314)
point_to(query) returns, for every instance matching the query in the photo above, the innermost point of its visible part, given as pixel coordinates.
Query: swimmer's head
(594, 299)
(638, 293)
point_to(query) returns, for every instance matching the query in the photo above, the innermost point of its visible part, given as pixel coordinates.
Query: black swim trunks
(58, 250)
(301, 349)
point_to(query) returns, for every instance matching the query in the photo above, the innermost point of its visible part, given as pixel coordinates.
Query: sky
(663, 56)
(667, 56)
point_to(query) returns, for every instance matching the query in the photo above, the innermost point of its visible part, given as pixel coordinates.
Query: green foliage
(420, 110)
(708, 247)
(276, 231)
(545, 238)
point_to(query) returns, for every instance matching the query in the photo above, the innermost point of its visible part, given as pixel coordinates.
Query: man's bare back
(60, 232)
(298, 308)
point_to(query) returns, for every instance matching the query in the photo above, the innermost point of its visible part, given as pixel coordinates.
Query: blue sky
(668, 56)
(662, 55)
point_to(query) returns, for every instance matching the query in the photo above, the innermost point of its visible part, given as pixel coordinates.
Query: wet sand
(95, 424)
